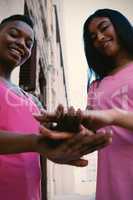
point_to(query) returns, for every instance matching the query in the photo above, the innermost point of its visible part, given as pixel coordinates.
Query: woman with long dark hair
(97, 61)
(108, 43)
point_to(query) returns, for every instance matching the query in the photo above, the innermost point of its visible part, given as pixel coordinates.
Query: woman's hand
(46, 116)
(71, 119)
(61, 120)
(96, 119)
(70, 147)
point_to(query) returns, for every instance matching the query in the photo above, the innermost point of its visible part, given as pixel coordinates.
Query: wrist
(116, 115)
(32, 144)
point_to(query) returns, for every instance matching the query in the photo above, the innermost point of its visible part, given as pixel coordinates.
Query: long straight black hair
(99, 64)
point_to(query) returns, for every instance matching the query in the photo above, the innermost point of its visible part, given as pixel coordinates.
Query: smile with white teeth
(106, 44)
(16, 52)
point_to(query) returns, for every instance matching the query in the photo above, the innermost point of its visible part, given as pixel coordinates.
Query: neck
(121, 61)
(5, 72)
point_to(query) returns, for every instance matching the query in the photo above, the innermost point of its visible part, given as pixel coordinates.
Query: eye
(29, 43)
(104, 27)
(14, 32)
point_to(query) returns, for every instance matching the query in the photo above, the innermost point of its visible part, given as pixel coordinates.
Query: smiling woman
(107, 28)
(108, 42)
(103, 36)
(16, 42)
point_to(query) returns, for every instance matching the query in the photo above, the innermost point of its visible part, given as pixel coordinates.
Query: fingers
(66, 121)
(50, 116)
(78, 163)
(84, 131)
(59, 111)
(54, 135)
(45, 117)
(71, 111)
(79, 114)
(96, 142)
(78, 140)
(81, 145)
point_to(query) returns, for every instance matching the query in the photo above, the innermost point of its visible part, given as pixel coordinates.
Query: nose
(100, 36)
(20, 42)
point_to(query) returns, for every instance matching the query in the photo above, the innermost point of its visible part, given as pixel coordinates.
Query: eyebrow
(102, 22)
(19, 30)
(99, 25)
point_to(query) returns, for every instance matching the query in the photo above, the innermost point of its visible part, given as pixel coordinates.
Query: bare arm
(70, 150)
(11, 143)
(123, 118)
(101, 118)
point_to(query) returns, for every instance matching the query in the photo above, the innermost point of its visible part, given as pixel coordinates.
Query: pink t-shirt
(115, 162)
(19, 173)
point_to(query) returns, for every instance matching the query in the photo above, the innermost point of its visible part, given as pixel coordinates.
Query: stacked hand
(60, 120)
(67, 140)
(70, 121)
(72, 147)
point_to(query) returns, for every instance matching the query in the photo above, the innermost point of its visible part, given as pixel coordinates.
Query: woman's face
(16, 42)
(104, 36)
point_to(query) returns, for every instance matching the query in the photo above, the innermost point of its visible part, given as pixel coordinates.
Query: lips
(16, 49)
(17, 53)
(105, 44)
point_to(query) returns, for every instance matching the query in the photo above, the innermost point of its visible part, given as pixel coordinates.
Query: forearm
(12, 143)
(100, 118)
(123, 118)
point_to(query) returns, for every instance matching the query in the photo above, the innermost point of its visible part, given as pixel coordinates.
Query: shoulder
(36, 101)
(93, 86)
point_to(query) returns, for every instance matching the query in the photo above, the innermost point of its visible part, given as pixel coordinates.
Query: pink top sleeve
(91, 97)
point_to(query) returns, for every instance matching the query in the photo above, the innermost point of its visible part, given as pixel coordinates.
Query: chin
(11, 64)
(110, 53)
